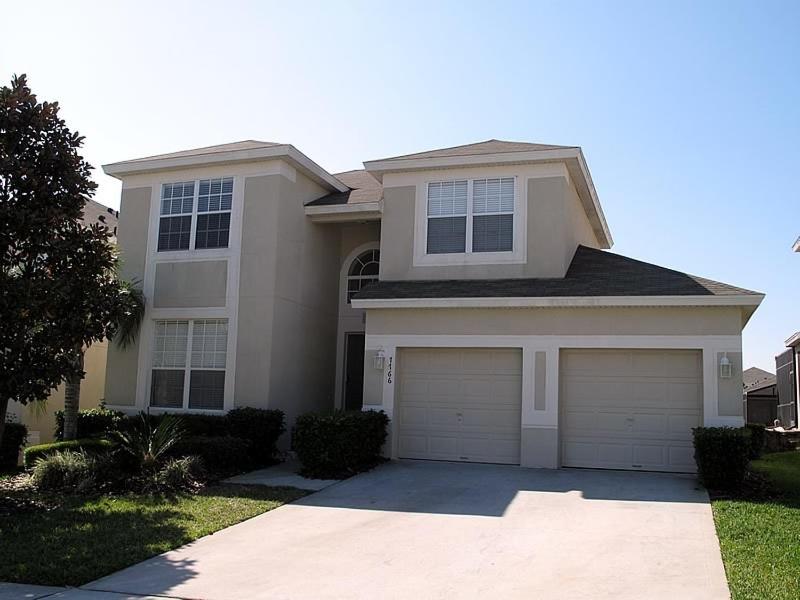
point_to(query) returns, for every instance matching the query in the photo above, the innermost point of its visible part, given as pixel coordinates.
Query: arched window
(363, 271)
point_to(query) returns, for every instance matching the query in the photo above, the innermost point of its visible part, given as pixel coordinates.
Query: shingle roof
(231, 147)
(756, 379)
(94, 212)
(591, 273)
(363, 188)
(487, 147)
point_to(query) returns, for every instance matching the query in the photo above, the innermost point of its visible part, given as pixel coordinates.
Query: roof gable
(492, 146)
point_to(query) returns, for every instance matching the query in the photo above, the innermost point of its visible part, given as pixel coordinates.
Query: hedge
(341, 444)
(14, 437)
(220, 455)
(722, 455)
(758, 439)
(33, 453)
(261, 428)
(93, 422)
(194, 424)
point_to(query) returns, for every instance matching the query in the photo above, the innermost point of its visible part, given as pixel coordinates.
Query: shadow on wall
(488, 490)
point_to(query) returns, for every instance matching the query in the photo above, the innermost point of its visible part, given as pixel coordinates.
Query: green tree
(59, 290)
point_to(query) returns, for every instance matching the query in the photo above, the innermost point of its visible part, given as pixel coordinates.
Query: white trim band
(560, 301)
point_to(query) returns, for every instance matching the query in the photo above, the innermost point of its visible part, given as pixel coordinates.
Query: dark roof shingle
(363, 188)
(591, 273)
(755, 379)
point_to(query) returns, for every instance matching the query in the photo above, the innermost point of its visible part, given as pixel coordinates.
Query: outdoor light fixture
(379, 359)
(725, 367)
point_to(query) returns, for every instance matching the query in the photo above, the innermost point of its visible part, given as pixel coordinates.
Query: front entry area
(459, 404)
(354, 371)
(630, 409)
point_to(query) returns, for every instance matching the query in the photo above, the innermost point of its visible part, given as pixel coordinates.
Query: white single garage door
(630, 409)
(460, 404)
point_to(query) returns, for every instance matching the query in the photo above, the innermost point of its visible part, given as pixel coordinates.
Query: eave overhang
(288, 152)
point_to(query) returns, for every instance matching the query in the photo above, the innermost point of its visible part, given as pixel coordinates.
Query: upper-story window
(195, 214)
(466, 216)
(362, 272)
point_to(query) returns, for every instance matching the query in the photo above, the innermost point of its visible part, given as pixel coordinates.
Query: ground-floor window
(189, 358)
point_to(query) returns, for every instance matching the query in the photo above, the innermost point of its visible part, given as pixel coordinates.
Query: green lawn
(83, 539)
(760, 539)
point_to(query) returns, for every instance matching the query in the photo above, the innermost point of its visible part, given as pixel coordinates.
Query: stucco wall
(556, 321)
(730, 389)
(288, 292)
(556, 223)
(120, 380)
(190, 284)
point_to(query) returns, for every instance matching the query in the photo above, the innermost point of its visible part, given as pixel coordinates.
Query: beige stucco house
(467, 292)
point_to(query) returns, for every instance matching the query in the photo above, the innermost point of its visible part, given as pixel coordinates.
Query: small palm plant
(148, 444)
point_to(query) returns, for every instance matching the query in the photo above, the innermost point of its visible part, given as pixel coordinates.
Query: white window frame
(187, 369)
(514, 256)
(194, 215)
(348, 278)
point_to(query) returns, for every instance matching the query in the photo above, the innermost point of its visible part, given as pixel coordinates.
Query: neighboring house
(787, 373)
(465, 291)
(760, 393)
(40, 418)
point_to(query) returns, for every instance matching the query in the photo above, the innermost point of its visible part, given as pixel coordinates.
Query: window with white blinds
(493, 215)
(202, 208)
(189, 360)
(470, 216)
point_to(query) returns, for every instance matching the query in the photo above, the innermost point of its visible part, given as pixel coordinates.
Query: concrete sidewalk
(441, 530)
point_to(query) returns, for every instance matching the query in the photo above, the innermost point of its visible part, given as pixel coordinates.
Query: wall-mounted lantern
(725, 367)
(379, 360)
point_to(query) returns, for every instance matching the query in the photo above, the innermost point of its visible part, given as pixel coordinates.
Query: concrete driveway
(419, 530)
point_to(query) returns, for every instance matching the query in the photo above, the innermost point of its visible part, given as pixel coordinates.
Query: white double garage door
(618, 408)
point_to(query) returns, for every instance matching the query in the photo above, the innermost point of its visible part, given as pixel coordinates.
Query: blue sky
(688, 113)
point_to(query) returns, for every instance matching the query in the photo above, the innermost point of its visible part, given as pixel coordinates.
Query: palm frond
(130, 315)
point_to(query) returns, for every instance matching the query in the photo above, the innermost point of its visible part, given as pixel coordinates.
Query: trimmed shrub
(193, 424)
(221, 455)
(341, 444)
(14, 437)
(722, 455)
(92, 445)
(63, 470)
(758, 439)
(261, 428)
(94, 422)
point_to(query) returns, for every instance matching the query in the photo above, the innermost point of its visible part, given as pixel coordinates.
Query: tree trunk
(3, 409)
(72, 401)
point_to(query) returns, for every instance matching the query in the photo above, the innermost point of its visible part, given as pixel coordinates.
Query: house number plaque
(389, 371)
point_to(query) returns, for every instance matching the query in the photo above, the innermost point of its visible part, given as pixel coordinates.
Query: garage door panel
(497, 420)
(680, 426)
(597, 453)
(495, 449)
(630, 409)
(460, 404)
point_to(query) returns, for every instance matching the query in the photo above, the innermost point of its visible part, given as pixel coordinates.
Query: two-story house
(466, 291)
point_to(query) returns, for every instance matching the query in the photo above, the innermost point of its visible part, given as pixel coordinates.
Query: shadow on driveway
(488, 490)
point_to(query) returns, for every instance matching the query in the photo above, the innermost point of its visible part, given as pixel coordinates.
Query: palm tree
(125, 329)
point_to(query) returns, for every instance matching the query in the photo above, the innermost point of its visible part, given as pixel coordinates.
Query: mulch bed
(18, 495)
